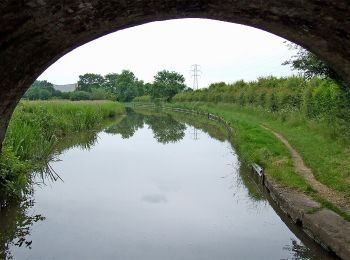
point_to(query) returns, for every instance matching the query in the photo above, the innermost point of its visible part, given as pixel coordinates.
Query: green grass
(35, 129)
(36, 125)
(255, 144)
(325, 153)
(328, 157)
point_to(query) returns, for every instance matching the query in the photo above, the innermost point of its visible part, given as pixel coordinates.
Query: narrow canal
(150, 186)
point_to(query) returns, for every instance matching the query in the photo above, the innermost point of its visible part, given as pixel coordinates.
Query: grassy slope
(325, 155)
(256, 144)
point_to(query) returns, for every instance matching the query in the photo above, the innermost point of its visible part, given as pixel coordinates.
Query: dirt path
(333, 196)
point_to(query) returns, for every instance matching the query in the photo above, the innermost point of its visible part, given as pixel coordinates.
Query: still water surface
(155, 187)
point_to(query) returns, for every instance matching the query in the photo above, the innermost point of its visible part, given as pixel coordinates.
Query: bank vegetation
(35, 131)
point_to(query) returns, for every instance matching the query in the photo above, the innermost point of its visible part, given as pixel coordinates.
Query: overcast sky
(225, 51)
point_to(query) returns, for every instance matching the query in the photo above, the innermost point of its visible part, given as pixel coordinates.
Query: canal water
(150, 186)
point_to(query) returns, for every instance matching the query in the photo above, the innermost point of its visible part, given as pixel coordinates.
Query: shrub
(80, 95)
(149, 98)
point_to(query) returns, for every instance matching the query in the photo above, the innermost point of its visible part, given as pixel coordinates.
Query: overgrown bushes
(318, 99)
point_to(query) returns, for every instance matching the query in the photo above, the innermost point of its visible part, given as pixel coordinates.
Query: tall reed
(34, 131)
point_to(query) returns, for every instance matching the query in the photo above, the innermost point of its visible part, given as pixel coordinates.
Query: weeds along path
(333, 196)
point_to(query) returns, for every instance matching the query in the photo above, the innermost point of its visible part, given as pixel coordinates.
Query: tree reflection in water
(128, 125)
(165, 128)
(16, 220)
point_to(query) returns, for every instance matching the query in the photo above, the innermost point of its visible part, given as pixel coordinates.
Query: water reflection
(165, 128)
(194, 133)
(17, 218)
(128, 125)
(16, 215)
(299, 251)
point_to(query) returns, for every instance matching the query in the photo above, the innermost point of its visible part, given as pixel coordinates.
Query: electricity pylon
(195, 69)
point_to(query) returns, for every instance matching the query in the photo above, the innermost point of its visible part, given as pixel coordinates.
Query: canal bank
(156, 186)
(321, 224)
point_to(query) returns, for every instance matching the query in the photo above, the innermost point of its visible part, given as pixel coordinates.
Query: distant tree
(41, 89)
(148, 89)
(90, 80)
(217, 85)
(127, 86)
(80, 95)
(35, 93)
(45, 94)
(100, 94)
(167, 84)
(42, 84)
(32, 93)
(64, 95)
(140, 87)
(110, 83)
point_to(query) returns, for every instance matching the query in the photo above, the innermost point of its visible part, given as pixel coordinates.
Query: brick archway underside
(35, 33)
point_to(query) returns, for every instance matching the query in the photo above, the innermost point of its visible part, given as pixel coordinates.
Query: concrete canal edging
(322, 225)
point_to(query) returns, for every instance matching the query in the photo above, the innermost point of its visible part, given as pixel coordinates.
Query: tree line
(315, 79)
(316, 97)
(123, 87)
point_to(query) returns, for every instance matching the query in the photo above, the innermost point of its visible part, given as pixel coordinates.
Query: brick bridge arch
(35, 33)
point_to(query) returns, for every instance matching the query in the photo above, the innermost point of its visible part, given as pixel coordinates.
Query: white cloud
(225, 51)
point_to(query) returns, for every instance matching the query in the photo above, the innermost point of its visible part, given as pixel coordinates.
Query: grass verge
(324, 154)
(255, 144)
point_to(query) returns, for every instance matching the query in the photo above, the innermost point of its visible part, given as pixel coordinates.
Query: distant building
(66, 88)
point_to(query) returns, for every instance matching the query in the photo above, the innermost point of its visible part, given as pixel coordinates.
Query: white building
(66, 88)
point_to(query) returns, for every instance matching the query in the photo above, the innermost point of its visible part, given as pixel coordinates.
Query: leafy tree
(148, 88)
(310, 65)
(126, 89)
(127, 86)
(90, 80)
(80, 95)
(100, 94)
(218, 85)
(110, 83)
(188, 89)
(167, 84)
(140, 88)
(32, 93)
(122, 85)
(42, 84)
(45, 94)
(42, 89)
